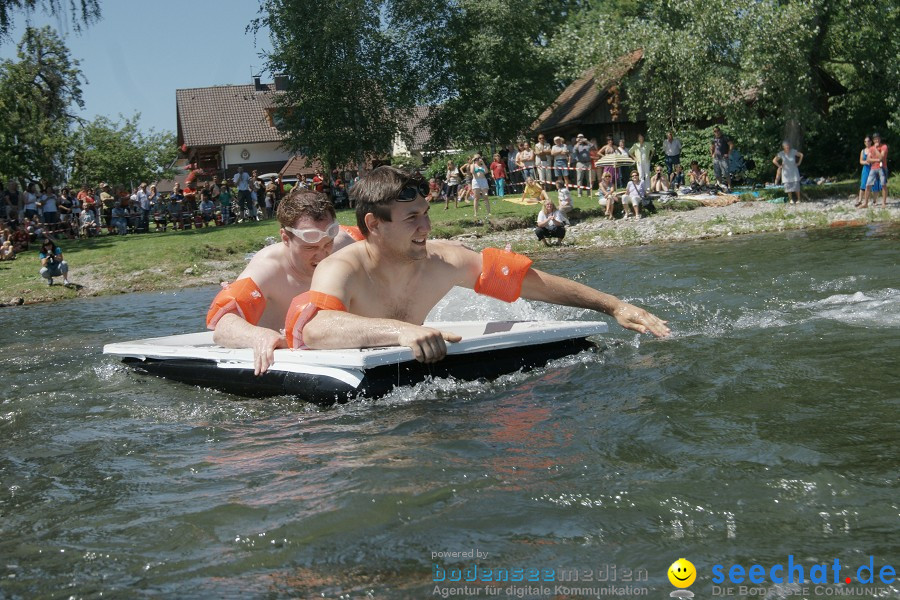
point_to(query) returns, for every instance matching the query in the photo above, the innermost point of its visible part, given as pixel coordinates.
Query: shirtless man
(378, 292)
(280, 272)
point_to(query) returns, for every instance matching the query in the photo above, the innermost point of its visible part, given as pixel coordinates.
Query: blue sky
(140, 52)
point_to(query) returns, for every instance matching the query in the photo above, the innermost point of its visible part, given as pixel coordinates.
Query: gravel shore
(701, 223)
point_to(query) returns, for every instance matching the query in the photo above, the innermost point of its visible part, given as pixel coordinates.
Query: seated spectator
(534, 191)
(607, 193)
(635, 194)
(208, 209)
(736, 163)
(677, 179)
(88, 224)
(565, 197)
(551, 223)
(434, 191)
(698, 179)
(658, 182)
(52, 262)
(119, 217)
(19, 239)
(6, 251)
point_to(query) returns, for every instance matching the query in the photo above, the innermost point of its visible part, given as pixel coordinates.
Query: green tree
(497, 74)
(118, 152)
(801, 69)
(37, 95)
(82, 12)
(351, 72)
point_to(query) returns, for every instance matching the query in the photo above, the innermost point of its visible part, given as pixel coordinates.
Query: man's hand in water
(428, 345)
(631, 317)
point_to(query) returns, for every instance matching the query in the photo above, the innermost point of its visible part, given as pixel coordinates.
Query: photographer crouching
(52, 263)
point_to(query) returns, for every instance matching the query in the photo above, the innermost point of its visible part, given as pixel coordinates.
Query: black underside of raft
(377, 381)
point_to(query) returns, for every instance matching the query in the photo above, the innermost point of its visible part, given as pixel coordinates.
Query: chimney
(257, 84)
(281, 82)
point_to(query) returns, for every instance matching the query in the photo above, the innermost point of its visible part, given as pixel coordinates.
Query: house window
(274, 119)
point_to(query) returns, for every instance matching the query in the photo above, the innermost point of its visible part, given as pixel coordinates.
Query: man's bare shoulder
(450, 251)
(266, 265)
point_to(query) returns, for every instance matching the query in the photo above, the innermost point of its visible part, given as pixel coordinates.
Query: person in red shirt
(883, 152)
(498, 172)
(319, 182)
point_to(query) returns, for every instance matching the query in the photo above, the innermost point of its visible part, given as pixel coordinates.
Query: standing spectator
(452, 185)
(108, 202)
(271, 192)
(635, 193)
(876, 172)
(160, 213)
(621, 150)
(225, 201)
(511, 165)
(672, 150)
(564, 196)
(542, 159)
(52, 262)
(608, 148)
(64, 204)
(595, 156)
(143, 203)
(560, 154)
(30, 205)
(883, 152)
(14, 198)
(718, 149)
(551, 223)
(581, 153)
(498, 172)
(339, 195)
(525, 159)
(176, 207)
(257, 195)
(48, 206)
(480, 184)
(866, 167)
(242, 181)
(642, 153)
(789, 160)
(607, 193)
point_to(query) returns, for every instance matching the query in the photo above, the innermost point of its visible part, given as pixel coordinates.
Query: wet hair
(300, 202)
(375, 192)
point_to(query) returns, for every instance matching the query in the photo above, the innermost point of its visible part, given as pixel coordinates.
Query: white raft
(487, 350)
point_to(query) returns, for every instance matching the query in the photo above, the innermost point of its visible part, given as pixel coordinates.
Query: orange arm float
(502, 274)
(243, 298)
(354, 232)
(303, 308)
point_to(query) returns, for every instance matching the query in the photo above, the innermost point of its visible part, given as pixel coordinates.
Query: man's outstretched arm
(545, 287)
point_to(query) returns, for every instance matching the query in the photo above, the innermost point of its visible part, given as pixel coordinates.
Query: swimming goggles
(413, 190)
(314, 236)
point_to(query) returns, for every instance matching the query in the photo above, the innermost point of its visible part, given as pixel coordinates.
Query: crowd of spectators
(39, 211)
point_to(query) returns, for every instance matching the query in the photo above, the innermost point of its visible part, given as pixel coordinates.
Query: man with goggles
(378, 292)
(250, 313)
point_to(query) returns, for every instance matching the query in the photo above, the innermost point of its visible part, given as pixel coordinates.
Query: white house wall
(266, 152)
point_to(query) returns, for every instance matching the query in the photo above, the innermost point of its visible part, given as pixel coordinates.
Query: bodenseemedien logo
(682, 574)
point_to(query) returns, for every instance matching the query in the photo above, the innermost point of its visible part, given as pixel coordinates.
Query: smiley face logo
(682, 573)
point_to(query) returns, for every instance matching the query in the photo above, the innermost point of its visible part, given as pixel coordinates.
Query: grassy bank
(157, 261)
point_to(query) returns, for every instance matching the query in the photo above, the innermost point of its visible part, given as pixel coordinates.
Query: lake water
(767, 426)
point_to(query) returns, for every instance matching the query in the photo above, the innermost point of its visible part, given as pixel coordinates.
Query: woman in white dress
(788, 160)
